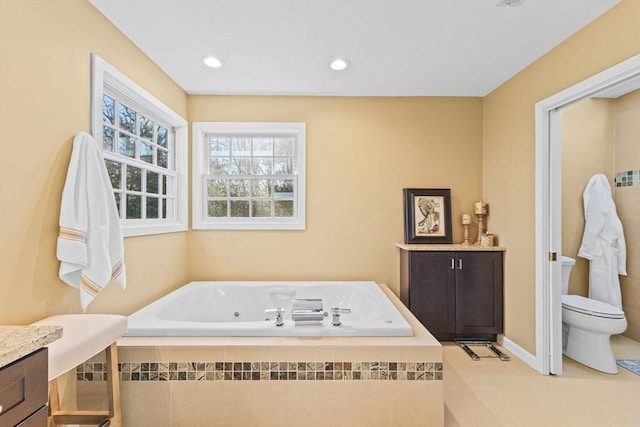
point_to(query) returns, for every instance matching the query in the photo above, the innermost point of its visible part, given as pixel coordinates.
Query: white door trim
(548, 359)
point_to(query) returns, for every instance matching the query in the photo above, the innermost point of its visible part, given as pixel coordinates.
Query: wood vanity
(23, 374)
(455, 291)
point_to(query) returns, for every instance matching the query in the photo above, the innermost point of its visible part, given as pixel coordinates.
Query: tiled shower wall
(626, 194)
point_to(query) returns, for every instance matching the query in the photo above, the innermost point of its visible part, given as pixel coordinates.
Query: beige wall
(587, 149)
(361, 153)
(509, 148)
(627, 158)
(44, 102)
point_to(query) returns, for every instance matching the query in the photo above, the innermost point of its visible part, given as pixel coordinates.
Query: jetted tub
(238, 309)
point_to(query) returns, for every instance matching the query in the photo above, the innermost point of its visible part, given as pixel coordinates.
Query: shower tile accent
(266, 371)
(627, 178)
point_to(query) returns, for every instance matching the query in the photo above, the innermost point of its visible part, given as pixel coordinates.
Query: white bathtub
(238, 309)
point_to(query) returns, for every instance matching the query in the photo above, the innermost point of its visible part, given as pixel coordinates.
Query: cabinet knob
(459, 263)
(453, 265)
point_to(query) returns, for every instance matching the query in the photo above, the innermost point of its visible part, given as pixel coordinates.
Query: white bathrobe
(603, 242)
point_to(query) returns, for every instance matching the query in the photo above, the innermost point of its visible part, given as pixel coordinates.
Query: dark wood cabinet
(23, 391)
(455, 294)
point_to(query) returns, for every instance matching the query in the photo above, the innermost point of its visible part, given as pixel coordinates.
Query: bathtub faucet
(278, 312)
(308, 311)
(336, 312)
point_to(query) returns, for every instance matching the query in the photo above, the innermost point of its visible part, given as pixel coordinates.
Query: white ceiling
(396, 47)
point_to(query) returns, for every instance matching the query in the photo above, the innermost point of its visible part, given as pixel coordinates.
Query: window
(144, 148)
(248, 175)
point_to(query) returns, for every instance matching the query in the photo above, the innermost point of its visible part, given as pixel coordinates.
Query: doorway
(549, 205)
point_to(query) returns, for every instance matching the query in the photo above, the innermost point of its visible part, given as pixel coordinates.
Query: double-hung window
(145, 150)
(248, 175)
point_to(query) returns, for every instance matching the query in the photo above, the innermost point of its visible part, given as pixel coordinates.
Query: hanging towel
(90, 246)
(603, 242)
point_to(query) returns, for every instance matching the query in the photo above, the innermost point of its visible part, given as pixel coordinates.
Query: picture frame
(427, 215)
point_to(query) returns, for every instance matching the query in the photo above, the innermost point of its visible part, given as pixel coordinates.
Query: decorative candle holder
(466, 221)
(466, 241)
(480, 227)
(480, 210)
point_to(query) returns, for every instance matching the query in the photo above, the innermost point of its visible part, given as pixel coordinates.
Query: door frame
(549, 207)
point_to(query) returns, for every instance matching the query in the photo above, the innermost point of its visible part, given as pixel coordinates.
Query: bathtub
(237, 309)
(230, 378)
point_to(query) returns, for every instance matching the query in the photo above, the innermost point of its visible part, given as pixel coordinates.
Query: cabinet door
(23, 387)
(432, 291)
(478, 294)
(38, 419)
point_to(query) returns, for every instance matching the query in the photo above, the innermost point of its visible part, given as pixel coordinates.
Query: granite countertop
(19, 341)
(446, 247)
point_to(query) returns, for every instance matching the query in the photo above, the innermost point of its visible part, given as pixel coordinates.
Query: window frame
(104, 75)
(200, 219)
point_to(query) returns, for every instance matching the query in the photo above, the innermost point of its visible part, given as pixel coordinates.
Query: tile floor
(511, 394)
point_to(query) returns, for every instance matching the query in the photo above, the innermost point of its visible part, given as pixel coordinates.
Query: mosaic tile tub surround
(276, 381)
(266, 371)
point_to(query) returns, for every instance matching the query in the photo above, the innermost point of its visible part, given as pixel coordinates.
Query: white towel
(90, 246)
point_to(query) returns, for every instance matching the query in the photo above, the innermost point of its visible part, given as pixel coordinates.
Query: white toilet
(587, 326)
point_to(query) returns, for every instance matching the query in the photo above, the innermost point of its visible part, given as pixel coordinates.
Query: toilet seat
(591, 307)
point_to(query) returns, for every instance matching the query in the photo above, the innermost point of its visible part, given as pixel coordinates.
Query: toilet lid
(591, 307)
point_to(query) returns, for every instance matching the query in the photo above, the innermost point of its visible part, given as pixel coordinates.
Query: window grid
(281, 204)
(125, 132)
(162, 196)
(149, 173)
(250, 176)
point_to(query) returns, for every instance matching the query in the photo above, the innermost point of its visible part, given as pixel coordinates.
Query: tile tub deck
(277, 381)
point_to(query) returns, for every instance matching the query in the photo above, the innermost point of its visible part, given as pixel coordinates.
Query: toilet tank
(567, 265)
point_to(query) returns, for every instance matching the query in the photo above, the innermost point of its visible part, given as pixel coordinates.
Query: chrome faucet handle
(336, 312)
(278, 314)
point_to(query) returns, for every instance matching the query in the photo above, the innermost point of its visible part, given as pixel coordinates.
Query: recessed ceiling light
(212, 61)
(339, 64)
(509, 3)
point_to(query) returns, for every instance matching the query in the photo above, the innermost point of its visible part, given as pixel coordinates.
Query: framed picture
(427, 215)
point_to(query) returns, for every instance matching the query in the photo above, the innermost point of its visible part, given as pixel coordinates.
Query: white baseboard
(519, 352)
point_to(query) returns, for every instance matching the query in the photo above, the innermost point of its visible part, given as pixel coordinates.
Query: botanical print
(428, 216)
